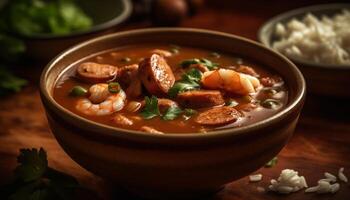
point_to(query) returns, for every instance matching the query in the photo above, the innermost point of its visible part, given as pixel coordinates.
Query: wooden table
(321, 142)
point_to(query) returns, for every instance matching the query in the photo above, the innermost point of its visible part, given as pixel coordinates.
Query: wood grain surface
(321, 142)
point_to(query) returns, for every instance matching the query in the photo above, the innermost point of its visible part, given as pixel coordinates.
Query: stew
(162, 88)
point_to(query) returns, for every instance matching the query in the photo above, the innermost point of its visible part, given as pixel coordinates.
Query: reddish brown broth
(180, 125)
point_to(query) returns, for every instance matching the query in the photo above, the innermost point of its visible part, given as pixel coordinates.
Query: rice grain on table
(288, 181)
(330, 177)
(341, 175)
(255, 177)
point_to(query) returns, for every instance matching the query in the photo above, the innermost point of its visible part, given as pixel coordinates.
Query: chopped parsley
(151, 108)
(272, 162)
(172, 113)
(189, 81)
(189, 112)
(207, 63)
(35, 180)
(9, 83)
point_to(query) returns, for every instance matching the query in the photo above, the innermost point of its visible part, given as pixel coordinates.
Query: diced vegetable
(271, 103)
(125, 59)
(231, 103)
(114, 87)
(78, 91)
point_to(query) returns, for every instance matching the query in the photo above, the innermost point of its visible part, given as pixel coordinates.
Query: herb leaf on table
(35, 180)
(9, 82)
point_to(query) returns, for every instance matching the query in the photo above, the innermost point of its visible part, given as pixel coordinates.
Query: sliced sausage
(128, 78)
(95, 73)
(247, 70)
(200, 98)
(122, 120)
(135, 89)
(150, 130)
(156, 75)
(127, 74)
(270, 81)
(218, 116)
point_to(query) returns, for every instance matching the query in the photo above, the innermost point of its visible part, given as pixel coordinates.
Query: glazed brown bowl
(173, 165)
(322, 79)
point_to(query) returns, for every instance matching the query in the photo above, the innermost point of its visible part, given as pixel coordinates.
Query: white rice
(325, 185)
(330, 177)
(321, 40)
(255, 178)
(342, 176)
(288, 181)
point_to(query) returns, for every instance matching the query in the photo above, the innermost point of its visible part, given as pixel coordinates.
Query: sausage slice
(200, 98)
(156, 75)
(95, 73)
(218, 116)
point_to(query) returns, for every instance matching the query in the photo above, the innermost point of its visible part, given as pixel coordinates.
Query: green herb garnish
(214, 55)
(114, 87)
(172, 113)
(151, 108)
(78, 91)
(207, 63)
(231, 103)
(189, 81)
(29, 17)
(125, 59)
(272, 162)
(189, 112)
(35, 180)
(174, 51)
(9, 83)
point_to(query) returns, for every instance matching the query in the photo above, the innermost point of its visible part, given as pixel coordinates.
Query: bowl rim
(125, 13)
(114, 132)
(292, 13)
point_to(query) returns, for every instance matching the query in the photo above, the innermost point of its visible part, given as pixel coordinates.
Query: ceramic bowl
(173, 166)
(322, 79)
(106, 15)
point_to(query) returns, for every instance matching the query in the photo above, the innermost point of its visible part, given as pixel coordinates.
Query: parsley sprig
(151, 110)
(189, 81)
(35, 180)
(207, 63)
(9, 83)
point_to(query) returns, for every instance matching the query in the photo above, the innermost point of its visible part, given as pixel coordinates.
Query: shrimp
(101, 101)
(230, 81)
